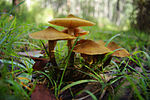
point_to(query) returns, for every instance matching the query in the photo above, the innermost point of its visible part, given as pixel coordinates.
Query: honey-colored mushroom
(90, 50)
(90, 47)
(52, 35)
(77, 32)
(71, 22)
(113, 46)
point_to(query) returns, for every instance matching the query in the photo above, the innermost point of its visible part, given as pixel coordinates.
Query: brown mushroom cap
(113, 46)
(71, 21)
(51, 34)
(90, 47)
(81, 33)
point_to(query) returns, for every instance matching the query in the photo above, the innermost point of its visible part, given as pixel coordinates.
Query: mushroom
(52, 35)
(113, 46)
(89, 50)
(77, 32)
(71, 22)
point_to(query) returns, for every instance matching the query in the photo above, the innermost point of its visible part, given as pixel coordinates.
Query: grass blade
(111, 39)
(76, 83)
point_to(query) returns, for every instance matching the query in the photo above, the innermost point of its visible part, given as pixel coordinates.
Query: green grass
(14, 38)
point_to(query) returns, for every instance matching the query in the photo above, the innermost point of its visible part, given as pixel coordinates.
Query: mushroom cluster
(90, 50)
(94, 52)
(71, 23)
(52, 35)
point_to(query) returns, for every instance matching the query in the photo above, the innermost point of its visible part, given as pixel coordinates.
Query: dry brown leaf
(30, 53)
(40, 63)
(42, 93)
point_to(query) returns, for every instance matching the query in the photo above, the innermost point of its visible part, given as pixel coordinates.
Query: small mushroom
(89, 50)
(52, 35)
(71, 22)
(113, 46)
(77, 32)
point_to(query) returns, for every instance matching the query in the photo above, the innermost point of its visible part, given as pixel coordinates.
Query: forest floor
(26, 73)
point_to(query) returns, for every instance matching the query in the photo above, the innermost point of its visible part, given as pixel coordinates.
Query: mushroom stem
(70, 45)
(51, 45)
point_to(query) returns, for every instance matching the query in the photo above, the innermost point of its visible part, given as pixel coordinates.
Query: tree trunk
(117, 19)
(68, 6)
(15, 2)
(143, 13)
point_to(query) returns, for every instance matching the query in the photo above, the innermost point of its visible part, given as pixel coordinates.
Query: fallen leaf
(31, 53)
(40, 64)
(42, 93)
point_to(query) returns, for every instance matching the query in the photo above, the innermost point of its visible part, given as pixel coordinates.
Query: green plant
(113, 81)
